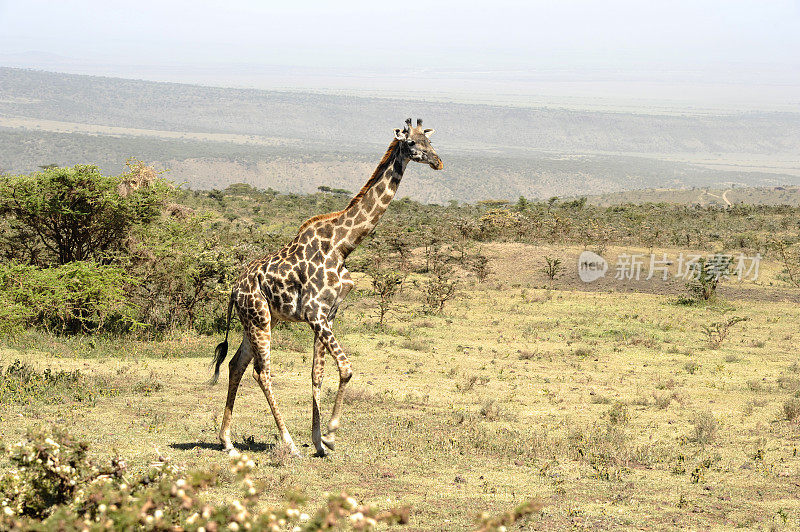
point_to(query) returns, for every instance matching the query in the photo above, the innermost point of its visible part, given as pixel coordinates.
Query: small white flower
(351, 503)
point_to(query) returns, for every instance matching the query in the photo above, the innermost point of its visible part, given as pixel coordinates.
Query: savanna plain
(618, 405)
(486, 372)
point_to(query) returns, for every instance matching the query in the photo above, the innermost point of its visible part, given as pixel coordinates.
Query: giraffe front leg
(317, 371)
(236, 368)
(325, 335)
(260, 343)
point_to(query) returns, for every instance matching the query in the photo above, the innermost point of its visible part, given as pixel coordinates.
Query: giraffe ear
(398, 134)
(429, 132)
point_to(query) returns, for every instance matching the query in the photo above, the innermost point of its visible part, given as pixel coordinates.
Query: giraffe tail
(222, 349)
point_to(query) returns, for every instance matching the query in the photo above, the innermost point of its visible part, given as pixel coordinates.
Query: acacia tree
(61, 215)
(386, 283)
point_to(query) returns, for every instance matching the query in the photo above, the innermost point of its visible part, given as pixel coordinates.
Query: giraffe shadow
(248, 445)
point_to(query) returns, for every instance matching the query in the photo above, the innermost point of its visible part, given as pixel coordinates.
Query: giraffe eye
(411, 142)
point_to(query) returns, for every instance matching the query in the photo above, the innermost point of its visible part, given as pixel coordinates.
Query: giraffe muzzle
(436, 164)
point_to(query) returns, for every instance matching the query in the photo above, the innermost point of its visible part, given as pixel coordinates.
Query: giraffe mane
(374, 178)
(376, 175)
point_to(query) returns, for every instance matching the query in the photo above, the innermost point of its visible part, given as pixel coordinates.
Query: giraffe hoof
(321, 452)
(330, 444)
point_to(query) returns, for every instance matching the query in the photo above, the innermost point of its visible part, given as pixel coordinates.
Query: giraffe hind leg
(236, 368)
(260, 337)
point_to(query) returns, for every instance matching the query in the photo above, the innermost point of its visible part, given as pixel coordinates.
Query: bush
(441, 286)
(75, 297)
(386, 283)
(552, 269)
(789, 254)
(479, 265)
(184, 274)
(791, 409)
(717, 331)
(706, 276)
(53, 484)
(22, 383)
(61, 215)
(618, 414)
(705, 427)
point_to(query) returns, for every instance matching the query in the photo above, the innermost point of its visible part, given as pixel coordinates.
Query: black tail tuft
(219, 355)
(222, 349)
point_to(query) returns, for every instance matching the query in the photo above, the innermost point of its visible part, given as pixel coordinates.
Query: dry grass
(635, 425)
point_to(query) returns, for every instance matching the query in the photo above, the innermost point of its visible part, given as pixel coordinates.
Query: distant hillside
(212, 137)
(781, 195)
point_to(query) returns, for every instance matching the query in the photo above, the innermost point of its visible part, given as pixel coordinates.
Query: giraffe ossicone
(306, 281)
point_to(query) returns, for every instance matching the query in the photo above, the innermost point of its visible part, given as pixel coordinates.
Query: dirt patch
(523, 264)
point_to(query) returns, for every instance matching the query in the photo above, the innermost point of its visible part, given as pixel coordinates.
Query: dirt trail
(725, 197)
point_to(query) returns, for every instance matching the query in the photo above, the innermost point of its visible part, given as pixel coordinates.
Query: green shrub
(61, 215)
(75, 297)
(618, 414)
(184, 273)
(22, 383)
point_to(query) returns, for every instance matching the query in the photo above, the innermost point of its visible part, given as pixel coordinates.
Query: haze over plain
(694, 91)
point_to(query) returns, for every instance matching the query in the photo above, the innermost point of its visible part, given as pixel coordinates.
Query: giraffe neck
(364, 212)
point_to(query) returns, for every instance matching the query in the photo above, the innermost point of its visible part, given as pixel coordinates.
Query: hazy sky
(411, 34)
(724, 41)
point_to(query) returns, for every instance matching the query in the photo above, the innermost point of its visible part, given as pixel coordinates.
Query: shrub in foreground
(53, 484)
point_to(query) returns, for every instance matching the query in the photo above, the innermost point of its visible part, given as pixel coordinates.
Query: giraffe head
(416, 143)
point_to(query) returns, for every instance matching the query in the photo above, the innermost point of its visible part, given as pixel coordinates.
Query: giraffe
(306, 281)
